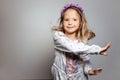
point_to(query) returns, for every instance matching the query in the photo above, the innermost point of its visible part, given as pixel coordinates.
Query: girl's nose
(69, 22)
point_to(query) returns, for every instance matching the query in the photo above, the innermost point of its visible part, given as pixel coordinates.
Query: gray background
(26, 43)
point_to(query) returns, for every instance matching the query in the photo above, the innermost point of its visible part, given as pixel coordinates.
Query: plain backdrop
(26, 39)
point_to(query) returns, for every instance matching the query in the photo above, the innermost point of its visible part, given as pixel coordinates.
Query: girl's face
(71, 21)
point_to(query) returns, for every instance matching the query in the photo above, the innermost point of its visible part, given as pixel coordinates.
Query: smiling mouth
(70, 27)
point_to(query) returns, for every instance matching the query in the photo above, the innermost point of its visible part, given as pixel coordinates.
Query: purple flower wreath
(71, 5)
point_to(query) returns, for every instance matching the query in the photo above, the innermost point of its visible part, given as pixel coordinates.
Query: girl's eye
(66, 20)
(75, 19)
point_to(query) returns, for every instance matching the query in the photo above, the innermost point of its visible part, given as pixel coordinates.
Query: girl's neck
(71, 36)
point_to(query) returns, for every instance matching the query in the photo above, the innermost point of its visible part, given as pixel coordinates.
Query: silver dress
(63, 45)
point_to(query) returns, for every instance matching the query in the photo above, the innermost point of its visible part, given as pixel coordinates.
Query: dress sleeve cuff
(87, 67)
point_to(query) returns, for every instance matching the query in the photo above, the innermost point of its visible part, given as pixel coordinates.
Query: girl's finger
(104, 53)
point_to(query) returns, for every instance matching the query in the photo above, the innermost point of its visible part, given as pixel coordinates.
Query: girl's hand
(95, 71)
(105, 48)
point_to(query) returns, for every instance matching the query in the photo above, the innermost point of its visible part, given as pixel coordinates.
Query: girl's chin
(70, 32)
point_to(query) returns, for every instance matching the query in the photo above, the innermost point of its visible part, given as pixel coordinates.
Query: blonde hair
(83, 33)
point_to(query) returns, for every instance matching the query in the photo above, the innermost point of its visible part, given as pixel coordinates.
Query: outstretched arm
(88, 69)
(65, 44)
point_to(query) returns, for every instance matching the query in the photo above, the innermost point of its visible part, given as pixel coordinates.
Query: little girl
(72, 60)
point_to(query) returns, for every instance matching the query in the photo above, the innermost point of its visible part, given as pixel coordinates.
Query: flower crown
(71, 5)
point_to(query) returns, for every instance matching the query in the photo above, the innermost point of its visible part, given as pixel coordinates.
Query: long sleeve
(87, 67)
(63, 43)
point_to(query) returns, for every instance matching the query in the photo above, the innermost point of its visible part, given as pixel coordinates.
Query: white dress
(63, 45)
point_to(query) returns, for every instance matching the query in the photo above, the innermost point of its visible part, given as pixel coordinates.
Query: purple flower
(66, 6)
(73, 4)
(80, 7)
